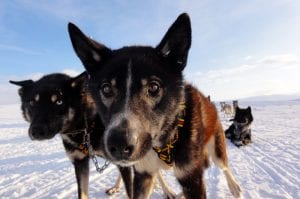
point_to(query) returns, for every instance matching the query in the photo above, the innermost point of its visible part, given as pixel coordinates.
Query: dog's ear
(249, 109)
(25, 84)
(177, 41)
(250, 114)
(79, 80)
(90, 52)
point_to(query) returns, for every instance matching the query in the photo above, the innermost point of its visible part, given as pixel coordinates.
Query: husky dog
(56, 104)
(60, 104)
(235, 103)
(239, 132)
(227, 109)
(153, 120)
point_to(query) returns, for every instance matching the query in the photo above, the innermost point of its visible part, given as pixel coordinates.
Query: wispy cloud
(8, 47)
(61, 9)
(284, 59)
(276, 74)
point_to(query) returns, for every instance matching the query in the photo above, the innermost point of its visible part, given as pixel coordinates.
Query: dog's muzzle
(120, 144)
(39, 132)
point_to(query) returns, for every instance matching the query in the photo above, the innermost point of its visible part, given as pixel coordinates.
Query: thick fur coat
(138, 91)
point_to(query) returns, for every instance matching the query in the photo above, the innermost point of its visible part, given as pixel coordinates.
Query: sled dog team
(133, 108)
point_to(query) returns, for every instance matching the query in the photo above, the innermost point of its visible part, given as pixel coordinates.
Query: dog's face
(48, 104)
(136, 89)
(243, 117)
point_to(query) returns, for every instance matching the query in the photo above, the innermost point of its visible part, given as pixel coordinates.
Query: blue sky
(239, 48)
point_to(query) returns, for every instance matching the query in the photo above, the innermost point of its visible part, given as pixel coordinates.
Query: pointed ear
(90, 52)
(249, 109)
(79, 80)
(24, 83)
(176, 43)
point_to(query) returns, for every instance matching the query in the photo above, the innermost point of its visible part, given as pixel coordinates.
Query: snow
(267, 168)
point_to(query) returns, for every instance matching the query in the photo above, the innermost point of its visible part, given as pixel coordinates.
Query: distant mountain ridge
(276, 97)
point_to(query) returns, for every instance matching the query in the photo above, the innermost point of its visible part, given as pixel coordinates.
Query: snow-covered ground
(268, 168)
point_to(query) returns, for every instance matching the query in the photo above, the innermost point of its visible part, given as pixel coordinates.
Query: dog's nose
(37, 132)
(120, 144)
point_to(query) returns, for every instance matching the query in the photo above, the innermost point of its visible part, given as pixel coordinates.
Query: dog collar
(166, 153)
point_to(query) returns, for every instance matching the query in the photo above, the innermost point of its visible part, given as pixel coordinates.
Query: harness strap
(166, 153)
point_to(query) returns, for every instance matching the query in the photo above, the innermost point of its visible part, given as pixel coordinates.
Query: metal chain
(98, 168)
(86, 142)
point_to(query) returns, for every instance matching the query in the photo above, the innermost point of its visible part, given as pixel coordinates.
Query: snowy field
(268, 168)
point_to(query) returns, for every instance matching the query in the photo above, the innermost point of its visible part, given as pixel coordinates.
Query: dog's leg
(238, 143)
(247, 139)
(116, 187)
(217, 150)
(191, 179)
(143, 185)
(126, 173)
(82, 176)
(169, 194)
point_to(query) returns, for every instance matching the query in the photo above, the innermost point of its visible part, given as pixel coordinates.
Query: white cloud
(277, 74)
(71, 72)
(9, 47)
(248, 57)
(285, 59)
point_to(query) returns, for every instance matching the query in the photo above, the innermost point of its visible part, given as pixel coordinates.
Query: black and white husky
(152, 119)
(239, 132)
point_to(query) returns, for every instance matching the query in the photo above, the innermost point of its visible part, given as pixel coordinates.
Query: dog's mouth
(124, 163)
(41, 132)
(41, 137)
(128, 156)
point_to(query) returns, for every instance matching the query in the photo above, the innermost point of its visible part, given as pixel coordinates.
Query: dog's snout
(120, 144)
(37, 132)
(123, 151)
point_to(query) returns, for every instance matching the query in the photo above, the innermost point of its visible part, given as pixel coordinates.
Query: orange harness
(165, 153)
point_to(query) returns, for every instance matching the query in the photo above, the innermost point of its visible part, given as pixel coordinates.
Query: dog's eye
(153, 88)
(59, 102)
(107, 90)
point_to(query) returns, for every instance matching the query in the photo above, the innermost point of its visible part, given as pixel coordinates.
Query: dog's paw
(112, 190)
(247, 141)
(236, 190)
(180, 196)
(233, 185)
(170, 195)
(174, 196)
(238, 143)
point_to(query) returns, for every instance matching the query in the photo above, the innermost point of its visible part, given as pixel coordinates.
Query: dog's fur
(227, 109)
(138, 91)
(239, 132)
(235, 103)
(60, 104)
